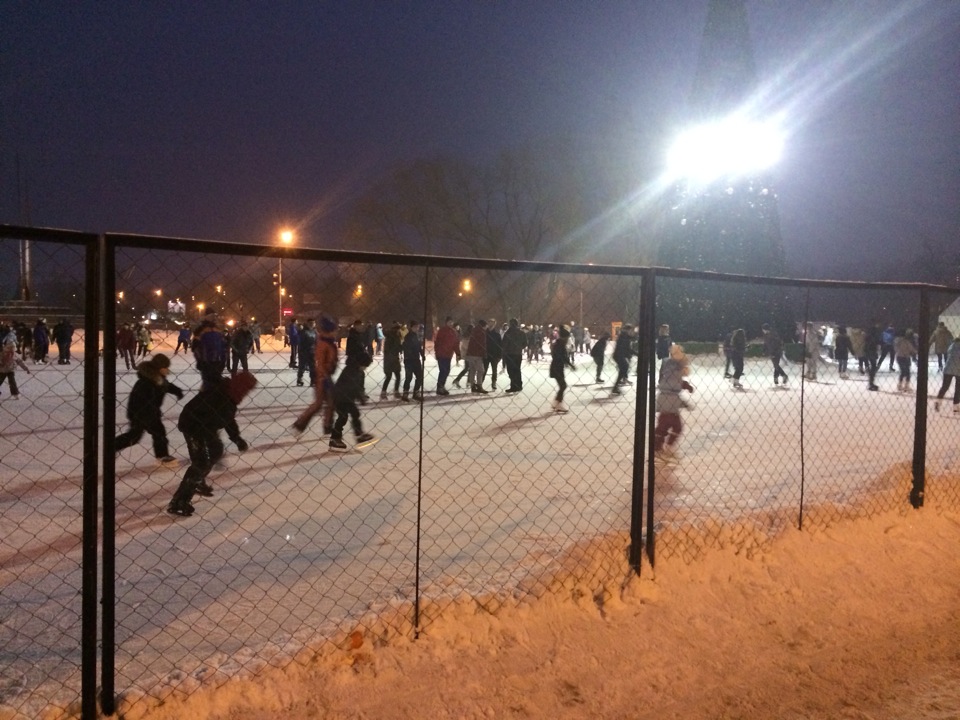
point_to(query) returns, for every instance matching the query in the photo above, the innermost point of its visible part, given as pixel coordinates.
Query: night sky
(226, 120)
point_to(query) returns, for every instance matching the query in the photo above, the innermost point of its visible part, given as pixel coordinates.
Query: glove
(242, 445)
(687, 386)
(178, 392)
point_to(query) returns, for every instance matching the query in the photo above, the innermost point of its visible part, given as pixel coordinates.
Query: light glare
(725, 149)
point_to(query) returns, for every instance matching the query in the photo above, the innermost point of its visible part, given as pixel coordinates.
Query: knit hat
(327, 323)
(161, 360)
(240, 385)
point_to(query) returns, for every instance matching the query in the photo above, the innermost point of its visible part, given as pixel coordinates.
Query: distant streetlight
(286, 237)
(158, 293)
(359, 291)
(467, 289)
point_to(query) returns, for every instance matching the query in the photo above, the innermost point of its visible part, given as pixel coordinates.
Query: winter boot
(203, 488)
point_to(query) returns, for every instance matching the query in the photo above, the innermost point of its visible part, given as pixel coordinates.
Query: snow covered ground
(511, 501)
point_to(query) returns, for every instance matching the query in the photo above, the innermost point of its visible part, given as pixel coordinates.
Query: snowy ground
(510, 498)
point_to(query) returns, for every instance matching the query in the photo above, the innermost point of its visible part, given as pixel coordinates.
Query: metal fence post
(109, 540)
(91, 402)
(920, 419)
(640, 426)
(416, 561)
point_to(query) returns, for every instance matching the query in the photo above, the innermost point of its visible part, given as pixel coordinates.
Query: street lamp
(467, 289)
(286, 237)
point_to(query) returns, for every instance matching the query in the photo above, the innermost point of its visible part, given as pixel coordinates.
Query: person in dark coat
(738, 350)
(183, 339)
(598, 352)
(871, 348)
(622, 352)
(773, 347)
(63, 337)
(413, 362)
(293, 339)
(392, 349)
(306, 358)
(144, 407)
(356, 351)
(209, 350)
(514, 343)
(241, 343)
(663, 342)
(494, 354)
(212, 409)
(41, 342)
(560, 359)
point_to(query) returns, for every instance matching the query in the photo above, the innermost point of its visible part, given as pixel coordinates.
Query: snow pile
(857, 620)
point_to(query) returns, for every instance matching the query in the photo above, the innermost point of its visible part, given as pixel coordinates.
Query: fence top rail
(439, 261)
(18, 232)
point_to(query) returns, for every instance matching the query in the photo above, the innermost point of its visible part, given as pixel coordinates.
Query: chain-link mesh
(484, 482)
(943, 413)
(41, 433)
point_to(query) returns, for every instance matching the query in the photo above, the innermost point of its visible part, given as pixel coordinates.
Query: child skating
(210, 410)
(347, 390)
(144, 408)
(9, 362)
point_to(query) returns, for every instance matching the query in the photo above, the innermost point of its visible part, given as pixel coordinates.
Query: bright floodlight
(724, 149)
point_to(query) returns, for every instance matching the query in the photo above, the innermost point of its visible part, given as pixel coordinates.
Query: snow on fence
(481, 495)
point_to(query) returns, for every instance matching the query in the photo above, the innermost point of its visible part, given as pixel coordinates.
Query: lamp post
(286, 237)
(467, 289)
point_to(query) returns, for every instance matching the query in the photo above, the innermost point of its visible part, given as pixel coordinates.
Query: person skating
(514, 343)
(622, 352)
(663, 342)
(347, 391)
(904, 349)
(41, 342)
(560, 360)
(127, 345)
(306, 353)
(293, 340)
(63, 337)
(241, 343)
(392, 350)
(413, 362)
(951, 373)
(212, 409)
(843, 347)
(773, 347)
(812, 342)
(9, 361)
(494, 354)
(464, 344)
(209, 349)
(446, 344)
(738, 350)
(144, 408)
(476, 352)
(357, 351)
(183, 339)
(940, 343)
(887, 338)
(325, 361)
(871, 344)
(670, 402)
(598, 353)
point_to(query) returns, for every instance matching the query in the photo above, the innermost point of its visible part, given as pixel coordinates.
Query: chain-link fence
(486, 484)
(48, 433)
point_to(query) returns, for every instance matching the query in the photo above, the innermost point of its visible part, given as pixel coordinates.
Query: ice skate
(417, 396)
(168, 461)
(365, 440)
(406, 397)
(297, 428)
(337, 445)
(180, 507)
(442, 391)
(384, 395)
(561, 409)
(203, 488)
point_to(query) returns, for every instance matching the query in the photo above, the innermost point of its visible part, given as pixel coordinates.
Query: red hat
(240, 385)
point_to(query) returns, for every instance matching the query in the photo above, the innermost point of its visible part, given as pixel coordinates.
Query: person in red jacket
(446, 344)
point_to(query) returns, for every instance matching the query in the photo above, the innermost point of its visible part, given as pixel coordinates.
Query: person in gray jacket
(951, 370)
